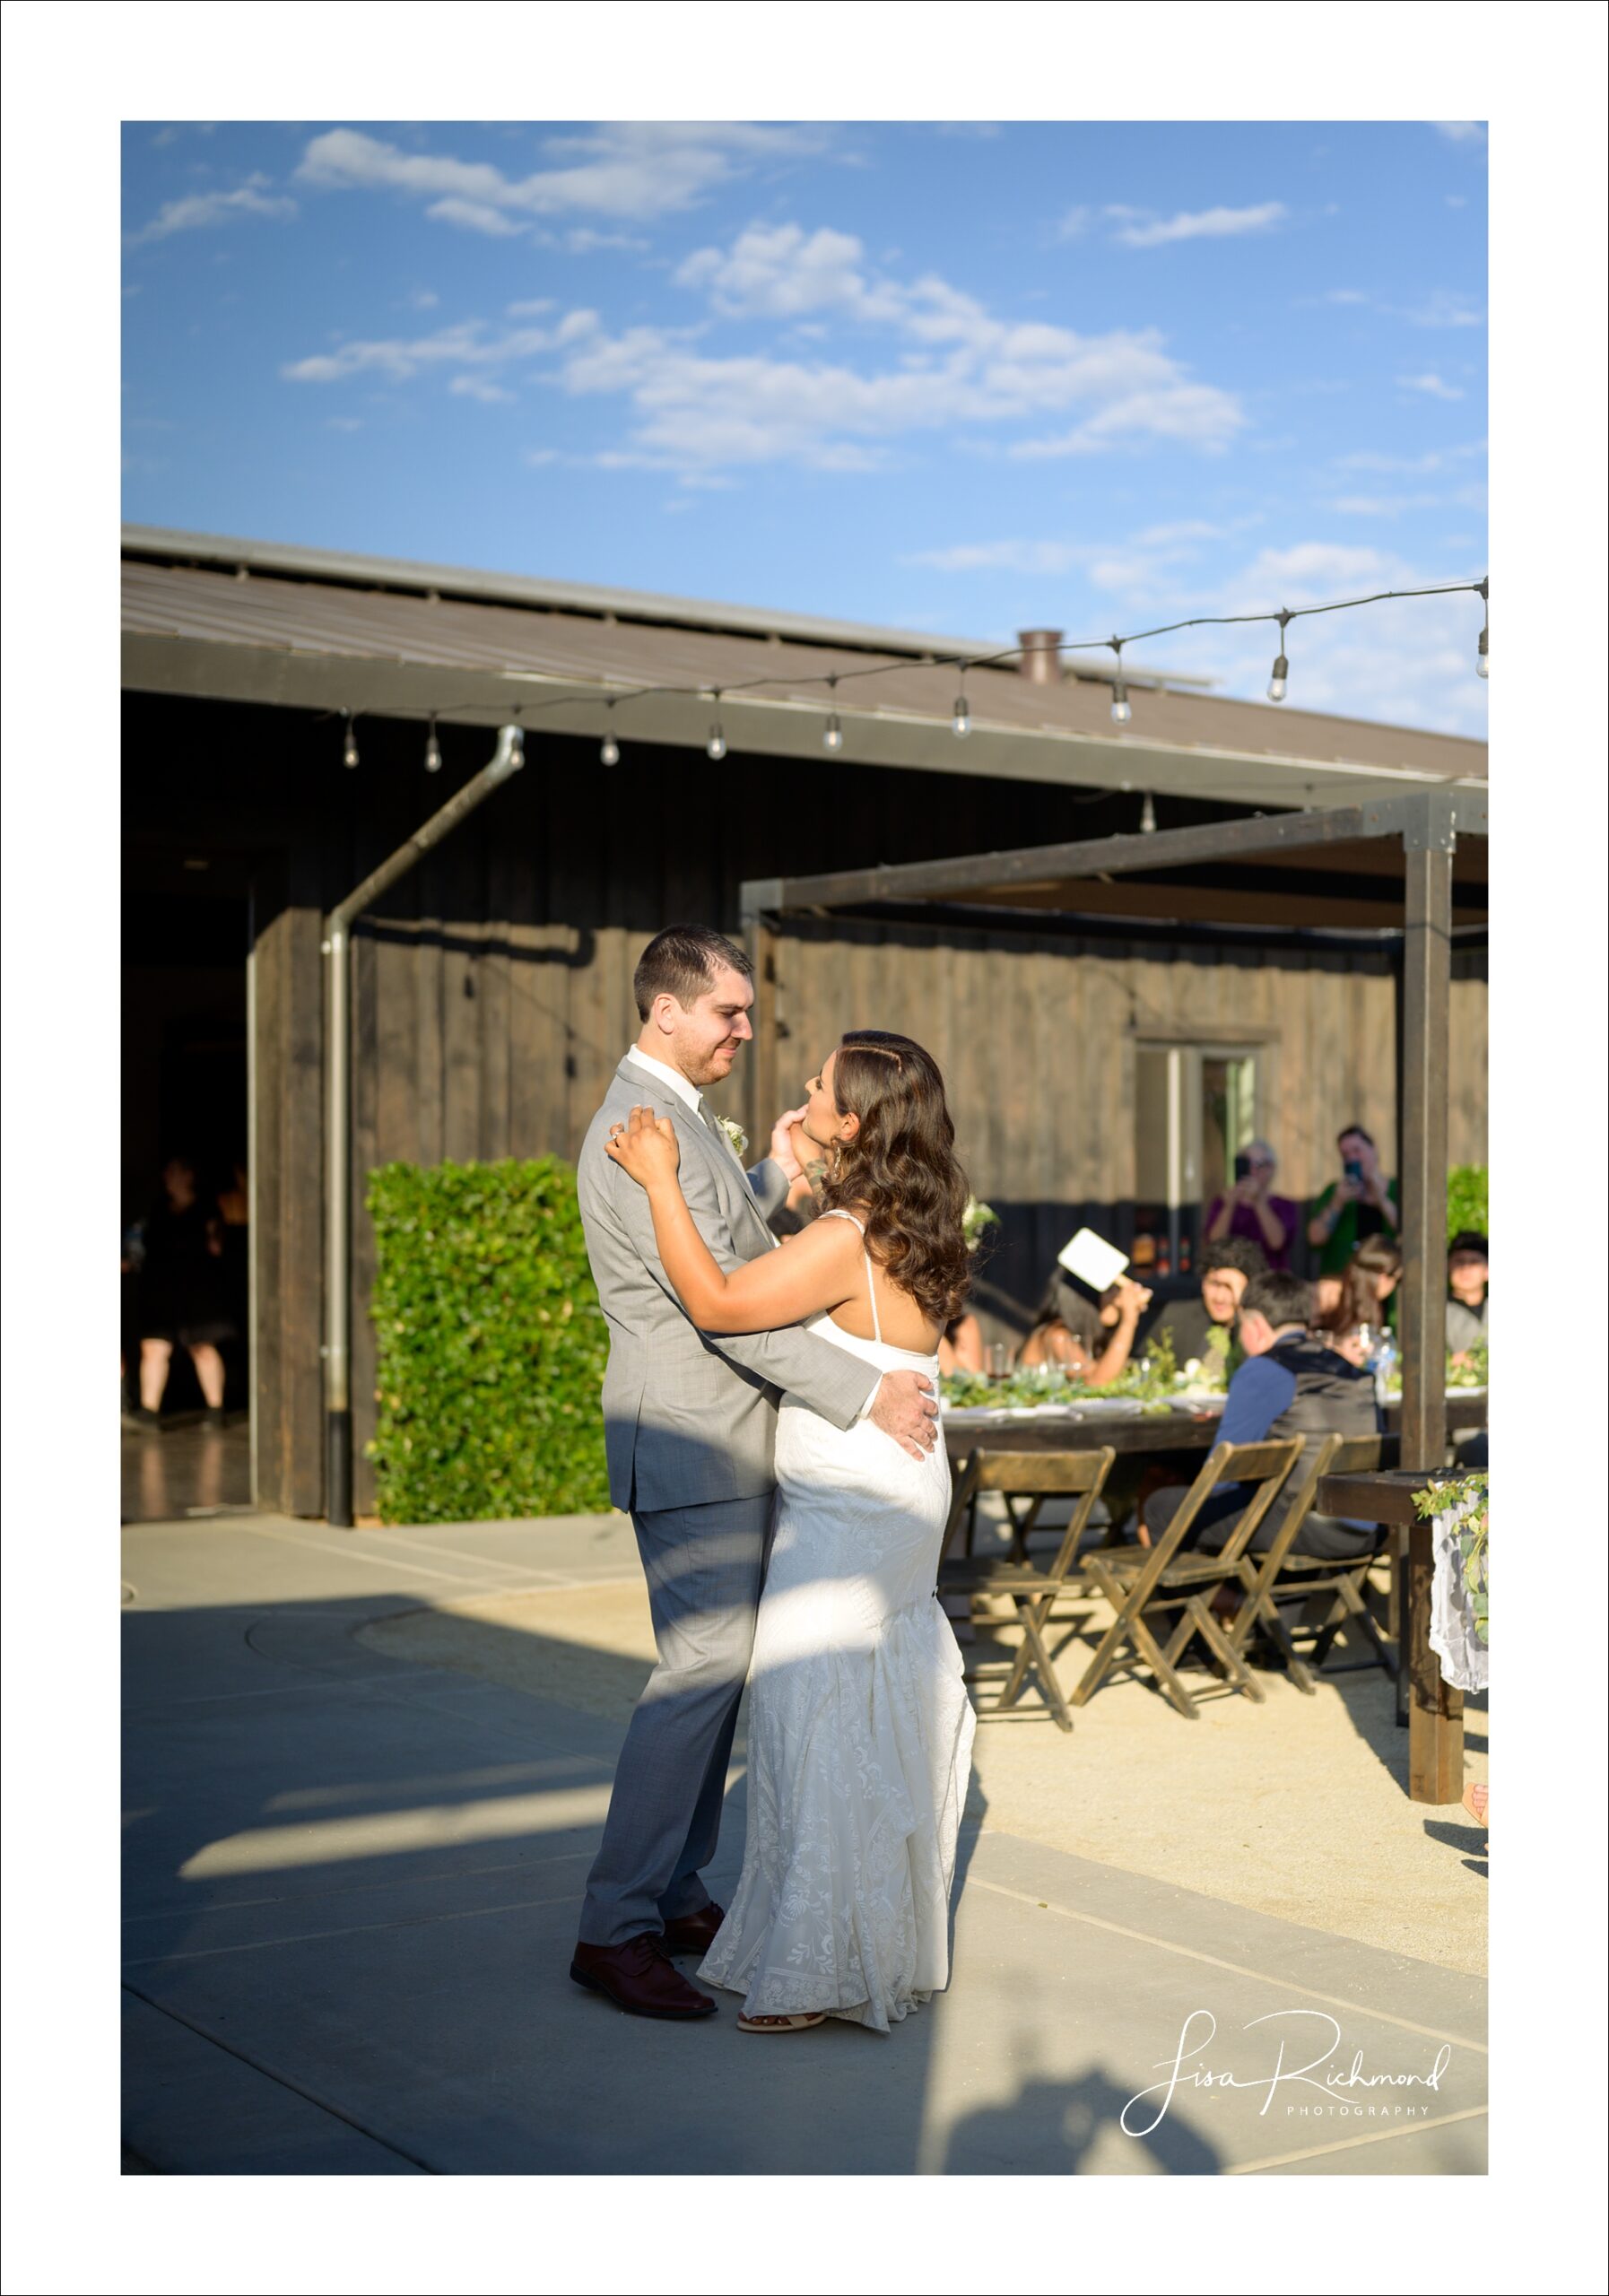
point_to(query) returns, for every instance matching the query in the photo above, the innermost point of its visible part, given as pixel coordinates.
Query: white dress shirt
(673, 1080)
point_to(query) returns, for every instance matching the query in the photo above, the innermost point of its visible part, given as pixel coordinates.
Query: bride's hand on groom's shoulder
(645, 1146)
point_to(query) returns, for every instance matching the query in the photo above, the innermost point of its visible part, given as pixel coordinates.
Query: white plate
(1116, 1407)
(1195, 1402)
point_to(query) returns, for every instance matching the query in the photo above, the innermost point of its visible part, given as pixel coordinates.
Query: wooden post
(287, 1161)
(760, 1104)
(1435, 1709)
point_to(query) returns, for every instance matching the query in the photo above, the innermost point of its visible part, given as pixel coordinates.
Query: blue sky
(965, 378)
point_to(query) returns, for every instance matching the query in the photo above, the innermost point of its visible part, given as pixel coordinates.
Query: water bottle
(1384, 1365)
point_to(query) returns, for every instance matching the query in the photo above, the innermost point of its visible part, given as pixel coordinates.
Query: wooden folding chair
(1280, 1570)
(1140, 1582)
(1030, 1477)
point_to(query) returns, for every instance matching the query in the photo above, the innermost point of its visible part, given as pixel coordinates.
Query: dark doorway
(186, 917)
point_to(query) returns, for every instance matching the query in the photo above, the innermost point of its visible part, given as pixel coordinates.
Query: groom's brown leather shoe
(638, 1978)
(694, 1933)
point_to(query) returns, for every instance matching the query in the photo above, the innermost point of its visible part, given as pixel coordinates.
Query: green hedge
(491, 1344)
(1466, 1199)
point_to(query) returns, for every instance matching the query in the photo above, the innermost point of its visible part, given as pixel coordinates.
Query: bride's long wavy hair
(899, 1172)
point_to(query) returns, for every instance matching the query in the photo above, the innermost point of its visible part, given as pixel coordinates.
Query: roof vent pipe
(1041, 657)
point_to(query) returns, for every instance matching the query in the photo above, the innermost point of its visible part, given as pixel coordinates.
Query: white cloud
(465, 346)
(632, 172)
(955, 365)
(1413, 465)
(343, 422)
(1431, 386)
(1075, 222)
(1136, 229)
(584, 241)
(473, 215)
(1443, 308)
(477, 386)
(421, 298)
(1461, 131)
(202, 210)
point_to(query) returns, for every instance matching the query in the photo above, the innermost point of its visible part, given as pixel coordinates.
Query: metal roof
(301, 637)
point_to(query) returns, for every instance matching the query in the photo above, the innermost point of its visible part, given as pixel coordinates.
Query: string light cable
(960, 716)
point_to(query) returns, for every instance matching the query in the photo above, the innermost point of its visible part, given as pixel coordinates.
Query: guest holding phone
(1361, 1204)
(1251, 1210)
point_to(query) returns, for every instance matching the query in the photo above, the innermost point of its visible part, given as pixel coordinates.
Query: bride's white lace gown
(860, 1731)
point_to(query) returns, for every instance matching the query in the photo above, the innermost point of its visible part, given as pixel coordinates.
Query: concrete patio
(365, 1774)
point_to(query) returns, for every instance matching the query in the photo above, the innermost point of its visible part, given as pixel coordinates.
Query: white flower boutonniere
(975, 1219)
(736, 1135)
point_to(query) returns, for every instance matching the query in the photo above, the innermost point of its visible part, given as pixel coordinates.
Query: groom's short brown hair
(682, 962)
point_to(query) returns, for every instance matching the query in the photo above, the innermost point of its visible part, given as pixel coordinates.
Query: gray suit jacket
(690, 1419)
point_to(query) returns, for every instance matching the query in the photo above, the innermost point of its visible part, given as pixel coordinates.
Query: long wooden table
(1431, 1709)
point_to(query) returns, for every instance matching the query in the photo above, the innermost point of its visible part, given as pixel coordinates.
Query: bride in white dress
(860, 1731)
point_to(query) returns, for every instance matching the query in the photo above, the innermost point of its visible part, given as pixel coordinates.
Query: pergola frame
(1429, 824)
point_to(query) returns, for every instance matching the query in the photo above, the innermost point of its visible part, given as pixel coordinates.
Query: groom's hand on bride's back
(906, 1407)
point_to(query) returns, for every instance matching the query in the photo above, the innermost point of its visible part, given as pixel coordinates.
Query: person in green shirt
(1361, 1204)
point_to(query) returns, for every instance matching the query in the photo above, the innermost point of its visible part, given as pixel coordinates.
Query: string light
(833, 736)
(349, 752)
(1147, 817)
(960, 714)
(1121, 712)
(609, 753)
(1282, 668)
(1481, 669)
(432, 749)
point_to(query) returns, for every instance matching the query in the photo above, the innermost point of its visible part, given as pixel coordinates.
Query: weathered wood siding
(492, 990)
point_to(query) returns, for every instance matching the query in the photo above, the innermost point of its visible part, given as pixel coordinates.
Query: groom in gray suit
(689, 1423)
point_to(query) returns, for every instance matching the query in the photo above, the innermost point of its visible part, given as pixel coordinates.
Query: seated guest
(1097, 1361)
(1248, 1210)
(1364, 1298)
(1467, 1274)
(1288, 1385)
(1202, 1330)
(1064, 1322)
(960, 1345)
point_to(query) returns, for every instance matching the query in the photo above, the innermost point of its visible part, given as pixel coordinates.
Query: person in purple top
(1249, 1210)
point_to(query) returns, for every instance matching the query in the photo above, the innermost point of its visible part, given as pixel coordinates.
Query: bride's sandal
(798, 2022)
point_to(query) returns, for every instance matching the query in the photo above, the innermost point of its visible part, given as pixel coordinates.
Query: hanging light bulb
(1147, 817)
(349, 753)
(714, 748)
(432, 750)
(832, 737)
(1481, 669)
(1121, 712)
(1282, 668)
(609, 750)
(960, 716)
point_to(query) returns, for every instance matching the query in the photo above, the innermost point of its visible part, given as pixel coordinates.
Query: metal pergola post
(506, 759)
(1434, 1709)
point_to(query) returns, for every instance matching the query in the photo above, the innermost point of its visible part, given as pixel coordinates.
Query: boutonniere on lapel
(736, 1135)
